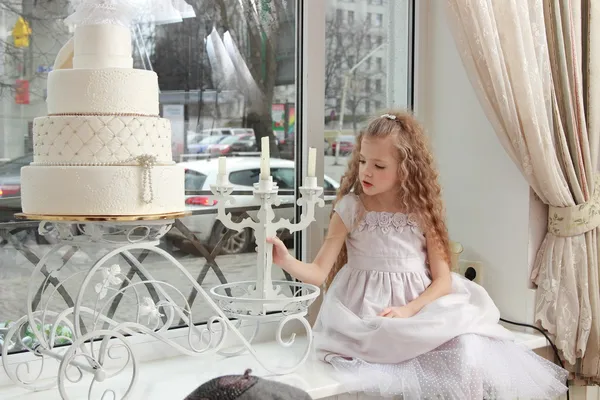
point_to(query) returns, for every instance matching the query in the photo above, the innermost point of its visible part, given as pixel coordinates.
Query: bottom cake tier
(102, 190)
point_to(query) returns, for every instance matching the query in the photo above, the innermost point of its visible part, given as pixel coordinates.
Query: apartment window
(378, 105)
(368, 42)
(379, 62)
(339, 14)
(378, 19)
(350, 61)
(350, 17)
(368, 19)
(379, 40)
(367, 84)
(369, 64)
(367, 107)
(378, 85)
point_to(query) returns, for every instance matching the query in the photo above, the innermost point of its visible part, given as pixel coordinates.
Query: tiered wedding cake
(102, 150)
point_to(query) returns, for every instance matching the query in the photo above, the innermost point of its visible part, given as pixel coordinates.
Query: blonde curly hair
(419, 190)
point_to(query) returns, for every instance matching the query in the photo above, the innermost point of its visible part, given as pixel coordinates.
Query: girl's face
(378, 169)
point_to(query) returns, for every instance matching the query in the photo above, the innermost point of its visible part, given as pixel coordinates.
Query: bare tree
(347, 44)
(32, 62)
(180, 56)
(334, 52)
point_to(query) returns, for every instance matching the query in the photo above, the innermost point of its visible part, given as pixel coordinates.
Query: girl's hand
(398, 312)
(281, 256)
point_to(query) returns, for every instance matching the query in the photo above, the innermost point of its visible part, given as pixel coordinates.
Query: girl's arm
(316, 272)
(441, 285)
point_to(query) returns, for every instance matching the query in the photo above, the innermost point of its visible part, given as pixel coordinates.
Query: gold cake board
(102, 218)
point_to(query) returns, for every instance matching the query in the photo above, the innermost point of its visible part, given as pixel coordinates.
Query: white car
(242, 173)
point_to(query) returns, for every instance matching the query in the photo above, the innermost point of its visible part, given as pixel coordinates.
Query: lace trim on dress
(387, 221)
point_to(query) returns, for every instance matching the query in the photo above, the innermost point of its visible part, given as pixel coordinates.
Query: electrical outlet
(472, 270)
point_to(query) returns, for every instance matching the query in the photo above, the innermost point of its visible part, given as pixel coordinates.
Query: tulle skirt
(467, 367)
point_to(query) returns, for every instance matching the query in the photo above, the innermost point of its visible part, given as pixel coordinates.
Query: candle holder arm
(310, 198)
(222, 194)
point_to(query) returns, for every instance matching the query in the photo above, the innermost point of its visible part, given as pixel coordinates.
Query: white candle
(265, 171)
(312, 161)
(222, 166)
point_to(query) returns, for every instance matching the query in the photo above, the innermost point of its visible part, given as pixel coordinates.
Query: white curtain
(533, 66)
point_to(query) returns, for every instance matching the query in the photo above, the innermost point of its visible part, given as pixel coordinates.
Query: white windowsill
(175, 377)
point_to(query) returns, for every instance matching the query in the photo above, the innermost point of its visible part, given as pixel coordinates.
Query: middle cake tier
(100, 139)
(102, 91)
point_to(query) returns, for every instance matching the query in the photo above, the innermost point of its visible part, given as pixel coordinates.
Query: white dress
(453, 348)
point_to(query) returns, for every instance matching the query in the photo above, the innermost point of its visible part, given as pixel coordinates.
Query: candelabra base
(90, 336)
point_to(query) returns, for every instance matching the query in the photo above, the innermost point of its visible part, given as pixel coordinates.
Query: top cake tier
(102, 80)
(102, 46)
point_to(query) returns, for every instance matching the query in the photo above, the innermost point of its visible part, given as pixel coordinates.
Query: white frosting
(100, 190)
(102, 91)
(102, 46)
(100, 139)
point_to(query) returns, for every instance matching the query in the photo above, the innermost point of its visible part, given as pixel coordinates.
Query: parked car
(347, 143)
(245, 145)
(10, 186)
(197, 135)
(226, 131)
(226, 145)
(242, 173)
(203, 145)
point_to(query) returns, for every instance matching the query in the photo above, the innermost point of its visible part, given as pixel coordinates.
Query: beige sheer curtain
(534, 67)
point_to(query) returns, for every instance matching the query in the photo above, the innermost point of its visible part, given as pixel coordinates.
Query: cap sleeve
(346, 209)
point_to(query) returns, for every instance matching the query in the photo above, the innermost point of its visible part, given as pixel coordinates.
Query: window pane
(378, 74)
(194, 181)
(246, 177)
(222, 76)
(284, 177)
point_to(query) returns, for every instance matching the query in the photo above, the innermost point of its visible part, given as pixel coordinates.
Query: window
(379, 40)
(379, 61)
(369, 18)
(247, 177)
(339, 15)
(201, 99)
(368, 42)
(350, 17)
(194, 181)
(368, 84)
(378, 85)
(369, 64)
(367, 106)
(350, 61)
(378, 19)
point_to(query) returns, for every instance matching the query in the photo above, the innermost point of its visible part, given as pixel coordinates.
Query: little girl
(394, 319)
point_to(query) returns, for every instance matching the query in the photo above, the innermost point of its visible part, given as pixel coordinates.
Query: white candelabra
(257, 298)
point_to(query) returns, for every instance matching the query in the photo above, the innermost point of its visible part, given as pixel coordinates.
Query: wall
(487, 200)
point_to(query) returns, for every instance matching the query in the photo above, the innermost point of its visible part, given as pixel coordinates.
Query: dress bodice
(381, 241)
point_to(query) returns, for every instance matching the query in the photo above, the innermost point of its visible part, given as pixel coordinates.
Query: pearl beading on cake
(145, 161)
